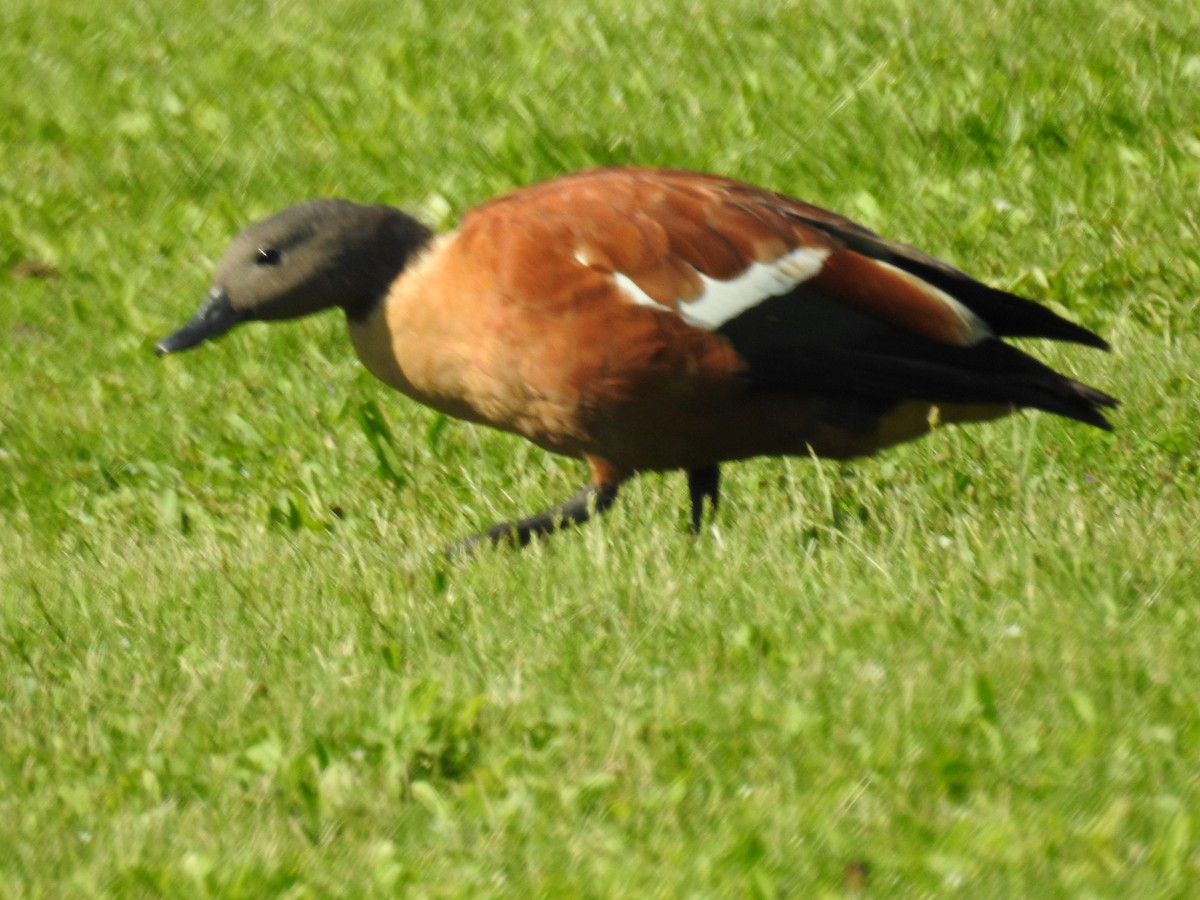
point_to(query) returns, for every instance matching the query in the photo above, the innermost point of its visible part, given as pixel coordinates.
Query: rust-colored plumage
(646, 319)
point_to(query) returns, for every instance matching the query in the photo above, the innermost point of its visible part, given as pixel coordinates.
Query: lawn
(232, 663)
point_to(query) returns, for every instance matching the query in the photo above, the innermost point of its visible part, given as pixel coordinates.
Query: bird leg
(575, 510)
(703, 482)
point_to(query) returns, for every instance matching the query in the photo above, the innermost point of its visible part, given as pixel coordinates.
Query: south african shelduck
(645, 319)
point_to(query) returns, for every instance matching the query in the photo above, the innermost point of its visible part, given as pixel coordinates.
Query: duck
(648, 319)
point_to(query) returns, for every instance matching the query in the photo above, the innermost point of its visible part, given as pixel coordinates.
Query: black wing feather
(805, 342)
(1008, 315)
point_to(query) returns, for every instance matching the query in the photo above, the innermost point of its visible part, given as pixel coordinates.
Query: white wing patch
(636, 294)
(725, 300)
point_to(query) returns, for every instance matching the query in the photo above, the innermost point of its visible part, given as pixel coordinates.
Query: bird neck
(399, 239)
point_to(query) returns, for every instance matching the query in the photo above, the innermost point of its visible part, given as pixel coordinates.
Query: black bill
(214, 318)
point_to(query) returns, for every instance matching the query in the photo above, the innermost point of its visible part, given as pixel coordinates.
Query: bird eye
(267, 256)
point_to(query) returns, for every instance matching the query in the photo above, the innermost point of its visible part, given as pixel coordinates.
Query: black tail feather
(917, 369)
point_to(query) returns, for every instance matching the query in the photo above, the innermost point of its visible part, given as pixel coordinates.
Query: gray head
(310, 257)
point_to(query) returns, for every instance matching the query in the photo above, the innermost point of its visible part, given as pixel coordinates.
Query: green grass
(229, 664)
